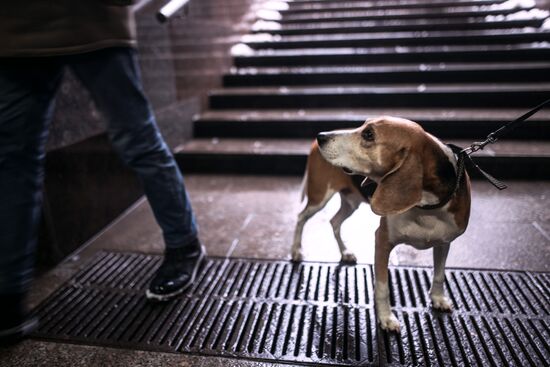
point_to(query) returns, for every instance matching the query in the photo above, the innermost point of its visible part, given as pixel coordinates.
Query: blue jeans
(27, 97)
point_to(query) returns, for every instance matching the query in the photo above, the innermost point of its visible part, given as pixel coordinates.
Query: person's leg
(113, 79)
(27, 92)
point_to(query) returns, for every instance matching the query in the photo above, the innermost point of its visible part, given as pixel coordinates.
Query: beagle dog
(414, 187)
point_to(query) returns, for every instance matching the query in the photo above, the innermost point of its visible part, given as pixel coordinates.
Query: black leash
(463, 155)
(503, 130)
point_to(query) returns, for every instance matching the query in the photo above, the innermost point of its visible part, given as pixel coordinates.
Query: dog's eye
(368, 135)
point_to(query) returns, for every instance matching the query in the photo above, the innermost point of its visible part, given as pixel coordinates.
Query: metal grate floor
(309, 313)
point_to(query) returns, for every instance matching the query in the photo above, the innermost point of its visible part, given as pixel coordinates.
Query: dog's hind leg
(347, 207)
(309, 211)
(437, 291)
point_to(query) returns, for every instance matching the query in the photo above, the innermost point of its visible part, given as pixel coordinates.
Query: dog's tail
(303, 187)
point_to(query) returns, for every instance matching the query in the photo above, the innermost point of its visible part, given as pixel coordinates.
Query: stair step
(424, 3)
(539, 51)
(306, 6)
(422, 13)
(475, 37)
(399, 73)
(398, 26)
(506, 159)
(430, 95)
(303, 146)
(304, 123)
(449, 65)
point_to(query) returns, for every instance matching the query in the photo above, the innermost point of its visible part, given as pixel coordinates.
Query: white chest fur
(423, 229)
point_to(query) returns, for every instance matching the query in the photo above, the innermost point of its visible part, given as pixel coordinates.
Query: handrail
(170, 9)
(140, 5)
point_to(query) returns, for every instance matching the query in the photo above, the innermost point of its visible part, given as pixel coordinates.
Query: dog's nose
(322, 138)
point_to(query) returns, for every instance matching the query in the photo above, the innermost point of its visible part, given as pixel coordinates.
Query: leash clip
(479, 145)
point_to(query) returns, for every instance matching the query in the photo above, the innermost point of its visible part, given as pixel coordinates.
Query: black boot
(176, 273)
(15, 323)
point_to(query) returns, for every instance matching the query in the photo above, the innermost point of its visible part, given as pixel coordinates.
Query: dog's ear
(401, 188)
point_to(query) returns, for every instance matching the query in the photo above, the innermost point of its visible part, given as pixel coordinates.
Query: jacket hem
(70, 50)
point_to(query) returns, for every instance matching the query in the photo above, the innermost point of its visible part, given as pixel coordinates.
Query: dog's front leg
(437, 291)
(383, 248)
(346, 209)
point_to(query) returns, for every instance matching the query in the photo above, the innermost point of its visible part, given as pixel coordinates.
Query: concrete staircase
(460, 68)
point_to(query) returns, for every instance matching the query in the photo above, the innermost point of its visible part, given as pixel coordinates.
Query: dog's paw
(442, 303)
(348, 257)
(389, 323)
(297, 255)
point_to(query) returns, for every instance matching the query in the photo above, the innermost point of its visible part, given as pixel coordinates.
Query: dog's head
(385, 149)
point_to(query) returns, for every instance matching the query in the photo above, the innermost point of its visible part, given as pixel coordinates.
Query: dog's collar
(460, 168)
(463, 157)
(463, 161)
(367, 186)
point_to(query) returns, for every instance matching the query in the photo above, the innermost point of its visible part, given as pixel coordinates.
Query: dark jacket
(62, 27)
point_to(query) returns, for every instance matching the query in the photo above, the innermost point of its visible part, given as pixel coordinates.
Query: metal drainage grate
(310, 313)
(317, 313)
(500, 319)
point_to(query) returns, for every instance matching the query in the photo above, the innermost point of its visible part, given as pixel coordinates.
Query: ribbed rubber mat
(309, 313)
